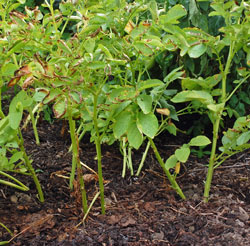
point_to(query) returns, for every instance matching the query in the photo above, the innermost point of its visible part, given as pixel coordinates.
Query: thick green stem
(216, 123)
(29, 166)
(171, 179)
(212, 160)
(99, 154)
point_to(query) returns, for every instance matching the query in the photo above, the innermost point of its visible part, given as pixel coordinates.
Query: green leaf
(182, 154)
(171, 162)
(243, 138)
(122, 124)
(216, 107)
(186, 96)
(8, 69)
(197, 50)
(60, 107)
(145, 103)
(135, 138)
(4, 163)
(148, 124)
(15, 114)
(173, 15)
(142, 85)
(97, 65)
(143, 48)
(199, 141)
(15, 157)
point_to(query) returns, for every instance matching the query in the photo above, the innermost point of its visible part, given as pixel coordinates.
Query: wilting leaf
(76, 97)
(177, 167)
(164, 111)
(60, 107)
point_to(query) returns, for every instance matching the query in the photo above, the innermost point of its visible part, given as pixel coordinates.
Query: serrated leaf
(171, 162)
(182, 154)
(60, 107)
(145, 103)
(135, 138)
(148, 124)
(199, 141)
(122, 124)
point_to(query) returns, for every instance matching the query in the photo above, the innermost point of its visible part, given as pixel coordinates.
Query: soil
(139, 210)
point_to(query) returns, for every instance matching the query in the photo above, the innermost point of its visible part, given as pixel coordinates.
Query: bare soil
(139, 210)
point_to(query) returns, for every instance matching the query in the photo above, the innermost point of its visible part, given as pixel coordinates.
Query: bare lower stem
(211, 160)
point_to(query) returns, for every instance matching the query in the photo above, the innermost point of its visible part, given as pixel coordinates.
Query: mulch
(140, 210)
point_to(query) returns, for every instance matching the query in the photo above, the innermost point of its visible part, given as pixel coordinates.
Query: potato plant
(99, 78)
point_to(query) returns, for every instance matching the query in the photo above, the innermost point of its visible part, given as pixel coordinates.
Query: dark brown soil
(139, 210)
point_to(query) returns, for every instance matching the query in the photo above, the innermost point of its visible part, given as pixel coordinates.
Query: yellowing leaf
(177, 167)
(164, 111)
(129, 27)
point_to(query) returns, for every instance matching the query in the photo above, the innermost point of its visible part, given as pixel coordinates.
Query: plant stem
(76, 161)
(99, 153)
(211, 160)
(143, 159)
(20, 185)
(216, 123)
(124, 150)
(29, 166)
(173, 182)
(34, 126)
(130, 164)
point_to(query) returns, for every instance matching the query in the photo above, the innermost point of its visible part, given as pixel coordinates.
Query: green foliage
(102, 74)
